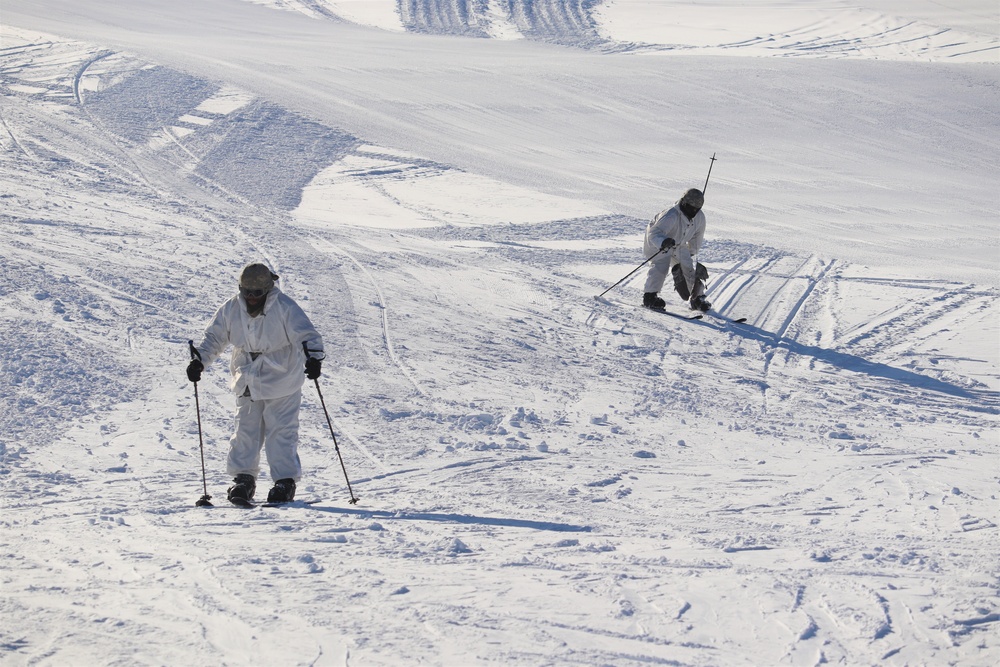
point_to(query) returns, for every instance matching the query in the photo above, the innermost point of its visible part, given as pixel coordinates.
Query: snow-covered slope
(623, 131)
(956, 31)
(544, 477)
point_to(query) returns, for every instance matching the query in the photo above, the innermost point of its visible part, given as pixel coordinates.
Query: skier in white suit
(673, 239)
(266, 329)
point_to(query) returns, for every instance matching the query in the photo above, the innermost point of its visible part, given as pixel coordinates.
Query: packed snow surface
(543, 477)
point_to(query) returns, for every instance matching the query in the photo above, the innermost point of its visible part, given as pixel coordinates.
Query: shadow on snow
(455, 518)
(980, 400)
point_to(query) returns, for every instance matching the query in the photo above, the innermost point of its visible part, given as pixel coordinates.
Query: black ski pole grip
(195, 354)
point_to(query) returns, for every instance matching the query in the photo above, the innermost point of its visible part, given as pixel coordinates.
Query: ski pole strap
(305, 348)
(195, 354)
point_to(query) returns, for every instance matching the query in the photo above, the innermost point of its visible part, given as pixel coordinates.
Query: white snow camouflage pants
(271, 425)
(659, 269)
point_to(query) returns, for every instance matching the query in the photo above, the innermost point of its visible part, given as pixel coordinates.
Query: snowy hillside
(545, 478)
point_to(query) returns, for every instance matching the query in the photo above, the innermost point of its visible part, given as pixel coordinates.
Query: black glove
(667, 244)
(313, 366)
(194, 370)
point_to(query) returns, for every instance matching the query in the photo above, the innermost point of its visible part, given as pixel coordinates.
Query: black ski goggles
(253, 293)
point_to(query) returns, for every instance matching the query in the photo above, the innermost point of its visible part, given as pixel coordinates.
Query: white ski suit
(268, 371)
(688, 234)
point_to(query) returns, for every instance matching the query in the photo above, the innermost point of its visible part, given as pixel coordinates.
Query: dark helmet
(693, 198)
(257, 277)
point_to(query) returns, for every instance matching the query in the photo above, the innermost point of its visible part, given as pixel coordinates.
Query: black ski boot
(700, 303)
(283, 491)
(242, 490)
(653, 301)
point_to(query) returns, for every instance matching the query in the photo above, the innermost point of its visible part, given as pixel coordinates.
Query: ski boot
(652, 301)
(700, 303)
(242, 490)
(283, 491)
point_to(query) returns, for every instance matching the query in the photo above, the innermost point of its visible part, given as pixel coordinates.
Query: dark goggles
(252, 293)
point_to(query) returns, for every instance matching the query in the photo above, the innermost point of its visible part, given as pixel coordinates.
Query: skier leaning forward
(266, 329)
(673, 239)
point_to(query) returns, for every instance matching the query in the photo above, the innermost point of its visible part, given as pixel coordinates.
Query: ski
(730, 320)
(663, 311)
(291, 503)
(249, 504)
(718, 316)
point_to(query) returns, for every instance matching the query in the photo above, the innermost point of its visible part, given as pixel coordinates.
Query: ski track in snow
(843, 31)
(544, 478)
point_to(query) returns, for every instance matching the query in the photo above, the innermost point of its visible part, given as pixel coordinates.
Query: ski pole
(629, 274)
(710, 165)
(204, 500)
(336, 447)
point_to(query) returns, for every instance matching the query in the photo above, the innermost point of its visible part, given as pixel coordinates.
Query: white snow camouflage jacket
(687, 234)
(267, 349)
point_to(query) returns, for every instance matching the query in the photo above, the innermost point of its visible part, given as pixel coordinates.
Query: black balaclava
(256, 282)
(691, 203)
